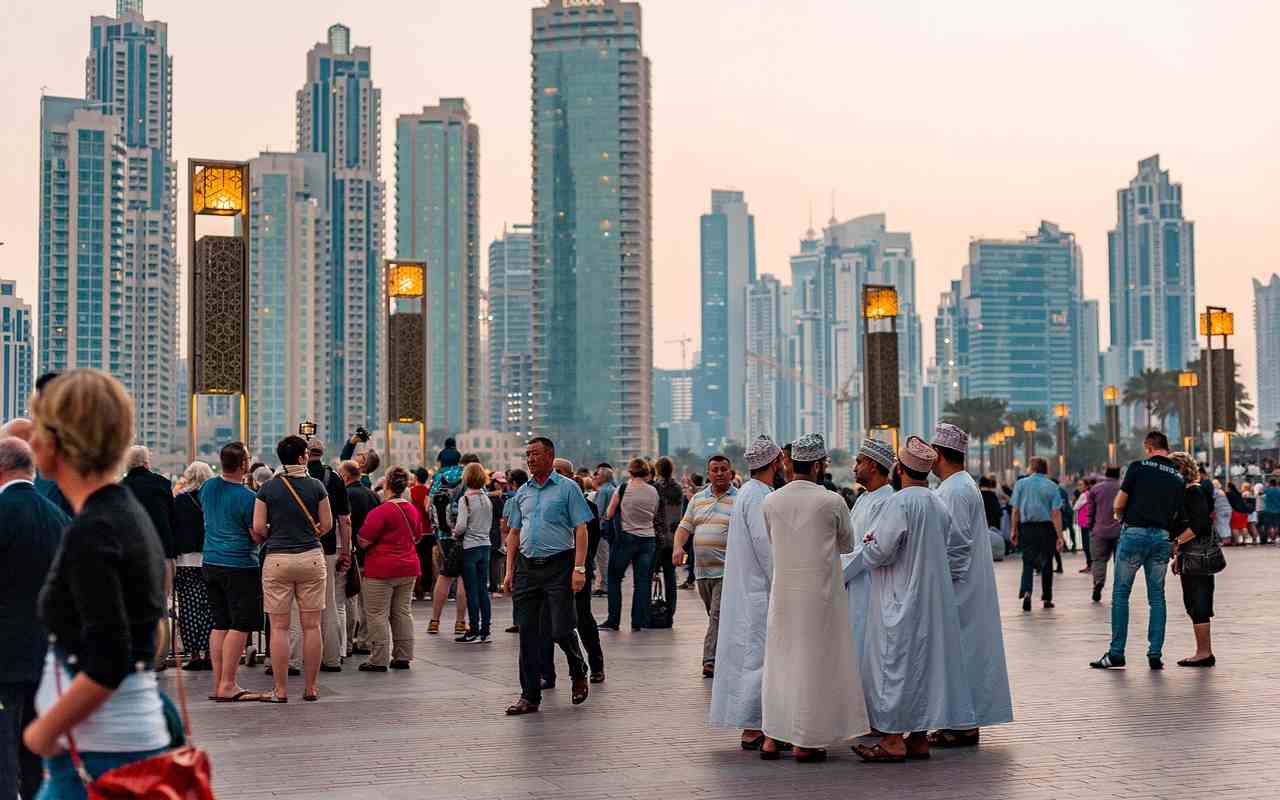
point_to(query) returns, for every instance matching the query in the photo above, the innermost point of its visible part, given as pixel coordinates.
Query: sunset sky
(956, 119)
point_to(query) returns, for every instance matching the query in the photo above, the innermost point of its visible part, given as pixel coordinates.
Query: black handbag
(1202, 559)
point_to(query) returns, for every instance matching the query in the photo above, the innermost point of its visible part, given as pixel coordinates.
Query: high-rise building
(15, 352)
(1022, 308)
(83, 287)
(592, 260)
(339, 113)
(510, 331)
(290, 348)
(1266, 330)
(768, 309)
(438, 221)
(1089, 410)
(949, 373)
(129, 74)
(1151, 255)
(728, 267)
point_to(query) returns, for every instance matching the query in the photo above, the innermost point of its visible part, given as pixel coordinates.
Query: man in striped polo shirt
(707, 521)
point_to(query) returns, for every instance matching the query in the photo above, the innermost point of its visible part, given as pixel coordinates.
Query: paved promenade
(438, 731)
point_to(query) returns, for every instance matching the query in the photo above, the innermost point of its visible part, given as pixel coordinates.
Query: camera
(362, 434)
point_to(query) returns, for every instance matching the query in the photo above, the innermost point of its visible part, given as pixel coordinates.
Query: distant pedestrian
(706, 523)
(1104, 532)
(389, 534)
(475, 520)
(637, 508)
(1037, 529)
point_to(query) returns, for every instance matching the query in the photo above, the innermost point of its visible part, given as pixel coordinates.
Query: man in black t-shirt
(1150, 505)
(337, 556)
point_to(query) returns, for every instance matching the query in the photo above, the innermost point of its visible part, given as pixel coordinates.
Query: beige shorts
(289, 575)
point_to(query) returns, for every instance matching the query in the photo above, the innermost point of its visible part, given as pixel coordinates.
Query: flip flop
(877, 755)
(271, 698)
(242, 696)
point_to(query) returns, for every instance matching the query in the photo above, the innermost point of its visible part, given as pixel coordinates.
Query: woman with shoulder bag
(389, 537)
(1197, 555)
(194, 617)
(475, 519)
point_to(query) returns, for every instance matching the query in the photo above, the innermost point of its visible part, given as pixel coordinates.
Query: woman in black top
(1197, 590)
(195, 620)
(104, 598)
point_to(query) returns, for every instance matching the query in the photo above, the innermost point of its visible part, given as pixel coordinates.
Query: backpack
(444, 498)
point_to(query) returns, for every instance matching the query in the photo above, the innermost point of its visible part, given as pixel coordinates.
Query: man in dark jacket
(155, 494)
(30, 530)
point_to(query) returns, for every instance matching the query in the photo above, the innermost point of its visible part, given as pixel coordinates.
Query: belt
(542, 561)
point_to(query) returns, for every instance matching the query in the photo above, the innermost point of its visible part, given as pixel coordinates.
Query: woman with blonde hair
(475, 518)
(390, 535)
(195, 620)
(104, 597)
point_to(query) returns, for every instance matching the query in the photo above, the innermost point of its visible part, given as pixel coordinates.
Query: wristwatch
(580, 570)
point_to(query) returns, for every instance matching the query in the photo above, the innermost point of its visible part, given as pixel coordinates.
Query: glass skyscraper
(1266, 330)
(510, 332)
(339, 114)
(438, 221)
(592, 265)
(15, 353)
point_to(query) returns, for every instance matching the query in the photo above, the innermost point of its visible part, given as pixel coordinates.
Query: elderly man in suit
(30, 531)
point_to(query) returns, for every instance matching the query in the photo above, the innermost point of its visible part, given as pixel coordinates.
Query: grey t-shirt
(290, 530)
(639, 507)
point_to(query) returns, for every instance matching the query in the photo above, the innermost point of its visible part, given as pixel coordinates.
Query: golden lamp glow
(307, 429)
(1061, 411)
(1217, 323)
(879, 302)
(1009, 432)
(1029, 426)
(218, 190)
(1188, 380)
(1110, 394)
(405, 279)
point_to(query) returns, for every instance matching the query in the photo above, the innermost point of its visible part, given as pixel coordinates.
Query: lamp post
(1009, 433)
(880, 359)
(1220, 371)
(1061, 411)
(1188, 380)
(993, 444)
(1029, 442)
(1112, 396)
(406, 348)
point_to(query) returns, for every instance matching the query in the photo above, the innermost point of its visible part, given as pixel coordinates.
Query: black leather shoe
(1155, 662)
(1107, 662)
(367, 667)
(610, 626)
(399, 663)
(327, 668)
(1097, 593)
(1026, 602)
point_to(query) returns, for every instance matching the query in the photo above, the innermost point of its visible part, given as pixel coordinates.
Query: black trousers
(545, 583)
(588, 632)
(1038, 543)
(20, 770)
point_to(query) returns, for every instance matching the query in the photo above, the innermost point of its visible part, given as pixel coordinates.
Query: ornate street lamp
(1112, 395)
(880, 358)
(407, 348)
(1029, 446)
(1061, 411)
(1220, 372)
(1009, 435)
(1188, 380)
(218, 297)
(307, 429)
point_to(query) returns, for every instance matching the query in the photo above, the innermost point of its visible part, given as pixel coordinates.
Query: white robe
(912, 664)
(744, 613)
(857, 581)
(812, 692)
(974, 578)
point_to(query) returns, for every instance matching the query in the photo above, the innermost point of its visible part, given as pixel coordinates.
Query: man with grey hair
(155, 494)
(20, 428)
(30, 531)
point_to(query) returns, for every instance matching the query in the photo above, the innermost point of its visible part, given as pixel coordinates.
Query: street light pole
(1029, 446)
(1061, 410)
(1112, 395)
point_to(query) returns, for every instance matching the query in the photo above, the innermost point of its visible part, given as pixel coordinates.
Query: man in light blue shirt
(546, 566)
(1037, 529)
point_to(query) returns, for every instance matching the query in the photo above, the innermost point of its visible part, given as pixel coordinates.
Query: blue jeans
(475, 579)
(626, 550)
(62, 782)
(1148, 548)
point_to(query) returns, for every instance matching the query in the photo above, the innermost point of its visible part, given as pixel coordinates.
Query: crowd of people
(868, 615)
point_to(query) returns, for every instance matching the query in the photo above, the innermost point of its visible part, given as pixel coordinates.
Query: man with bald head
(20, 428)
(30, 530)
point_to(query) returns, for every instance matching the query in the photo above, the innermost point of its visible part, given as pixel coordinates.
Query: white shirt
(15, 481)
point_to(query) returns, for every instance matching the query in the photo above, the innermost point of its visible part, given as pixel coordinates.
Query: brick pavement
(438, 731)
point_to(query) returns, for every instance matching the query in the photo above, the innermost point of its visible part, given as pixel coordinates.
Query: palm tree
(1017, 418)
(980, 417)
(1155, 390)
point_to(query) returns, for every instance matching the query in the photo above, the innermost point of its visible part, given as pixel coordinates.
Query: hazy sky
(956, 119)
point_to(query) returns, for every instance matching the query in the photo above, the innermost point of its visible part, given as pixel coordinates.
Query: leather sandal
(949, 738)
(521, 707)
(433, 626)
(753, 744)
(876, 754)
(459, 628)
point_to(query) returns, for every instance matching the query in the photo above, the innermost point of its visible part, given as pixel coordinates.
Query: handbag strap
(404, 516)
(315, 526)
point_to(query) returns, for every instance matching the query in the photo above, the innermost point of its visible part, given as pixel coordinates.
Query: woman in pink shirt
(389, 536)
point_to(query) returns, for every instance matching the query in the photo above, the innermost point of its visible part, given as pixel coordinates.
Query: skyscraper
(438, 221)
(290, 347)
(1151, 256)
(950, 370)
(1266, 330)
(510, 332)
(339, 113)
(129, 74)
(1089, 409)
(592, 264)
(15, 352)
(728, 266)
(767, 303)
(83, 286)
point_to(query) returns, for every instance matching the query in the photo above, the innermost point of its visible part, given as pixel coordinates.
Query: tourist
(546, 566)
(638, 509)
(1150, 504)
(1081, 509)
(336, 543)
(420, 496)
(1269, 515)
(258, 476)
(155, 494)
(30, 530)
(671, 495)
(389, 535)
(1197, 588)
(229, 565)
(602, 480)
(744, 606)
(1104, 532)
(1252, 495)
(291, 515)
(449, 455)
(811, 690)
(1239, 519)
(706, 521)
(194, 617)
(1221, 513)
(475, 519)
(974, 579)
(588, 631)
(105, 622)
(516, 478)
(446, 488)
(913, 666)
(1037, 529)
(497, 493)
(21, 428)
(361, 500)
(872, 467)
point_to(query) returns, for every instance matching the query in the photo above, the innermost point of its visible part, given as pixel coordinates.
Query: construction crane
(840, 399)
(684, 350)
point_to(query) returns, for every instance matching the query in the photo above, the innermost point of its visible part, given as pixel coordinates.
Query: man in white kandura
(812, 691)
(872, 467)
(912, 665)
(744, 602)
(974, 578)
